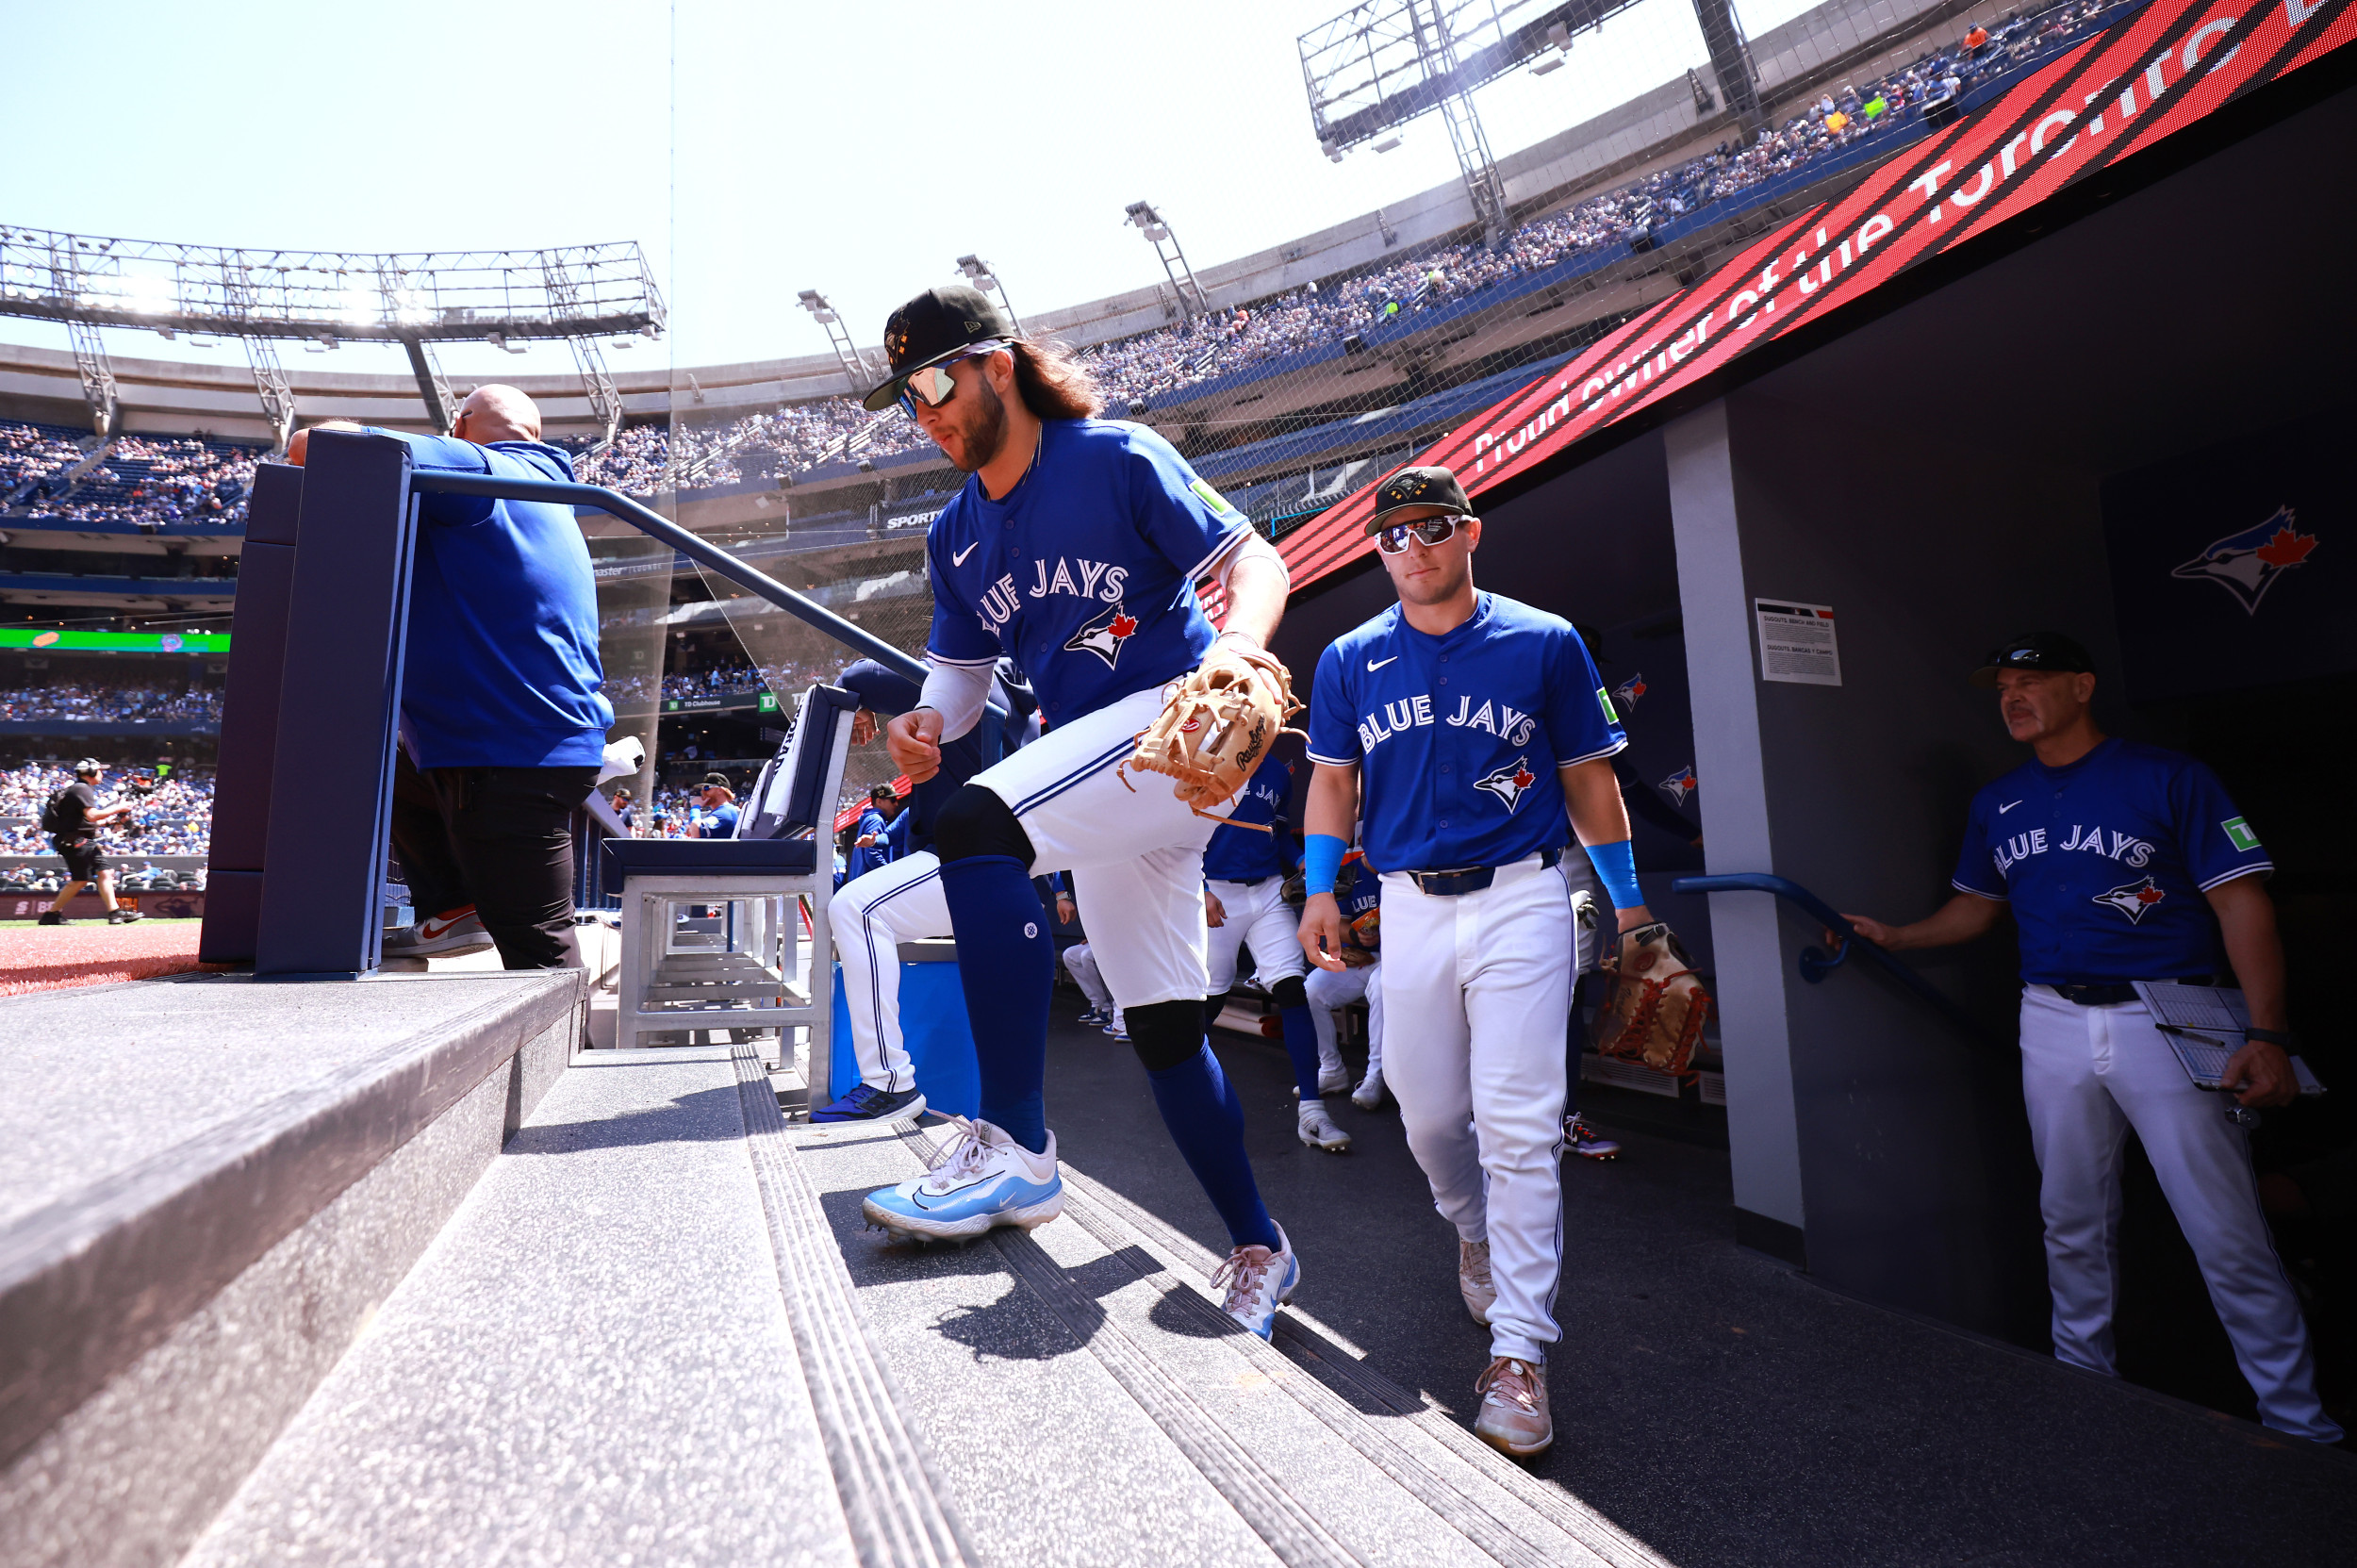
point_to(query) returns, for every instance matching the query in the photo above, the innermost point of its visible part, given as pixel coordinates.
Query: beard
(981, 435)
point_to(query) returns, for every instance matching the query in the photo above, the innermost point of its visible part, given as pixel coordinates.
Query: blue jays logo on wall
(1105, 636)
(2248, 564)
(2133, 898)
(1630, 690)
(1508, 782)
(1679, 784)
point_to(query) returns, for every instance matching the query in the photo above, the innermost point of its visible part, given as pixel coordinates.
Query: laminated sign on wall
(1796, 643)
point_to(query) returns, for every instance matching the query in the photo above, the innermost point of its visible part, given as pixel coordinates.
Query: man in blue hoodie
(502, 719)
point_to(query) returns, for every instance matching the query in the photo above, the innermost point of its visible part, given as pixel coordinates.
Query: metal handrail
(703, 553)
(1815, 961)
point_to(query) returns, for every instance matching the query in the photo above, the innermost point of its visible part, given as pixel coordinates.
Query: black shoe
(124, 917)
(53, 918)
(867, 1104)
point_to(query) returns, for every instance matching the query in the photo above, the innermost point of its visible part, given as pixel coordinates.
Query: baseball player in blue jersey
(1462, 728)
(1359, 978)
(2116, 859)
(1245, 870)
(1075, 546)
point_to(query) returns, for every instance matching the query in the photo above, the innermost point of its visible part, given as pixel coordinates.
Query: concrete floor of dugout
(1711, 1400)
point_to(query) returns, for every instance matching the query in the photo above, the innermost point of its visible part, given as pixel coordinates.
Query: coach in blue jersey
(2123, 863)
(503, 712)
(1471, 737)
(1075, 547)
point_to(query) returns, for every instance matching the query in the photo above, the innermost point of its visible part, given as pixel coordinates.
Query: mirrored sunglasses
(932, 385)
(1432, 531)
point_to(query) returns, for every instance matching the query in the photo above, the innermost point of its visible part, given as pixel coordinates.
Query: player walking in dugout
(1075, 546)
(1244, 868)
(1459, 726)
(2114, 857)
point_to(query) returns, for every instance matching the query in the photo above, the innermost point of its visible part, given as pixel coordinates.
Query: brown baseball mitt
(1657, 1006)
(1217, 724)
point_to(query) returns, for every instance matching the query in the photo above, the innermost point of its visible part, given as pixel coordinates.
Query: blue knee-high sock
(1301, 1043)
(1007, 967)
(1206, 1121)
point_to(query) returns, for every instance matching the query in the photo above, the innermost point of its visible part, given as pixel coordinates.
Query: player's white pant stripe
(1041, 797)
(875, 982)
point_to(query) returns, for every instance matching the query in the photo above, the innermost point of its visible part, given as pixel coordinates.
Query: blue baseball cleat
(865, 1103)
(985, 1181)
(1257, 1281)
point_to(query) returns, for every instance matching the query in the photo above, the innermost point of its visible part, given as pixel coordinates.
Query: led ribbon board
(2151, 75)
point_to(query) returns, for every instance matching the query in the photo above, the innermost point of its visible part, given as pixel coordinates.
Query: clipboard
(2204, 1025)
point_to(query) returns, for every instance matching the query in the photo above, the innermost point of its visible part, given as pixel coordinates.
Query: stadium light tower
(1156, 231)
(979, 272)
(856, 370)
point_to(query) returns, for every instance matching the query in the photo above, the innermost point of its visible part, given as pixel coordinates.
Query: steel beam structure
(1483, 187)
(1192, 300)
(98, 376)
(441, 403)
(856, 367)
(272, 385)
(1731, 63)
(980, 275)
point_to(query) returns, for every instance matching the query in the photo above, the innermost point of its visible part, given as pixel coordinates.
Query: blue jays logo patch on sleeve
(2248, 564)
(1508, 782)
(2133, 898)
(1105, 636)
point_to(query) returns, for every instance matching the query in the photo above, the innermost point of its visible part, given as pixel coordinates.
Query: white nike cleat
(448, 935)
(1257, 1281)
(986, 1179)
(1369, 1094)
(1333, 1078)
(1473, 1278)
(1317, 1128)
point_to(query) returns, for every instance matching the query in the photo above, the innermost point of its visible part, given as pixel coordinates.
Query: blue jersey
(2105, 862)
(1458, 737)
(1361, 910)
(1245, 854)
(720, 821)
(502, 669)
(866, 857)
(1085, 572)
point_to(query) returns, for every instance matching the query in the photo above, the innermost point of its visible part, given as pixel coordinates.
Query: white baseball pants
(1329, 989)
(2088, 1075)
(1082, 961)
(1480, 988)
(872, 915)
(1256, 915)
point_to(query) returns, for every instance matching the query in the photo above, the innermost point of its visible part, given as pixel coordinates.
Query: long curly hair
(1052, 384)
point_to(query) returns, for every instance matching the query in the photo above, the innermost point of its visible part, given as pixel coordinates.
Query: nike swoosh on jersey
(2006, 807)
(1374, 665)
(959, 559)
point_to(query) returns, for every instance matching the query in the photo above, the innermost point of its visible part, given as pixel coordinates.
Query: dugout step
(601, 1359)
(1123, 1398)
(207, 1185)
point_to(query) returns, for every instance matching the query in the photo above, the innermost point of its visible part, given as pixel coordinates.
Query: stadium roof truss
(574, 292)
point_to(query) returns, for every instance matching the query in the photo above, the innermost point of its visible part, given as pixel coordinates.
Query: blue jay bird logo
(1105, 636)
(2135, 900)
(2248, 564)
(1508, 783)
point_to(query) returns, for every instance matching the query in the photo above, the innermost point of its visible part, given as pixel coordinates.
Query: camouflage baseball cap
(1428, 487)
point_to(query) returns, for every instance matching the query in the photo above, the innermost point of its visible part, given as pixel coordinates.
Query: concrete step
(595, 1361)
(208, 1184)
(1083, 1379)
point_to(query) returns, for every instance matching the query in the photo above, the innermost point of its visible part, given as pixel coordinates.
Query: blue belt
(1469, 879)
(2111, 992)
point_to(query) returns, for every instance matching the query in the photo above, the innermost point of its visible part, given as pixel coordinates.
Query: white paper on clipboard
(2203, 1025)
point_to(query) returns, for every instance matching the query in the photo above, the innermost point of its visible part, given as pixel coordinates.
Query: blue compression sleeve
(1301, 1047)
(1616, 867)
(1321, 861)
(1206, 1120)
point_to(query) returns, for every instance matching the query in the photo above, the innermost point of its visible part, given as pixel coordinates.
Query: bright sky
(754, 149)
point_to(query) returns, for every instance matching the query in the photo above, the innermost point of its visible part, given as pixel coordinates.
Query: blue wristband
(1616, 867)
(1321, 862)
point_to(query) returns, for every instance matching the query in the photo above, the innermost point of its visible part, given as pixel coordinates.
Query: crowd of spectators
(139, 479)
(713, 683)
(1157, 364)
(172, 815)
(73, 700)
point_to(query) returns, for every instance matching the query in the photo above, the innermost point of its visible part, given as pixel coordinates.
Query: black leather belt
(2111, 992)
(1469, 879)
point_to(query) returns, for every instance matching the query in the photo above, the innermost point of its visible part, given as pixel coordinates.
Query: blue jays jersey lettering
(1459, 737)
(1085, 572)
(2105, 862)
(1365, 898)
(1245, 854)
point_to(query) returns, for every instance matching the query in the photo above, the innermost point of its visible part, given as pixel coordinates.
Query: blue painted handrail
(1815, 961)
(703, 551)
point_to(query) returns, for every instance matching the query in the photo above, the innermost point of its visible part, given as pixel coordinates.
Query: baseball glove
(1657, 1007)
(1217, 724)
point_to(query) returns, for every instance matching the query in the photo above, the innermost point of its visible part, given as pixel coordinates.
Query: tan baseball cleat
(1514, 1417)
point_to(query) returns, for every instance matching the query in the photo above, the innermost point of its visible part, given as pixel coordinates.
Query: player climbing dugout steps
(502, 716)
(1461, 727)
(2116, 859)
(1074, 546)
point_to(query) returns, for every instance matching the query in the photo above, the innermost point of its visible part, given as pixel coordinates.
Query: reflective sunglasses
(932, 385)
(1432, 531)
